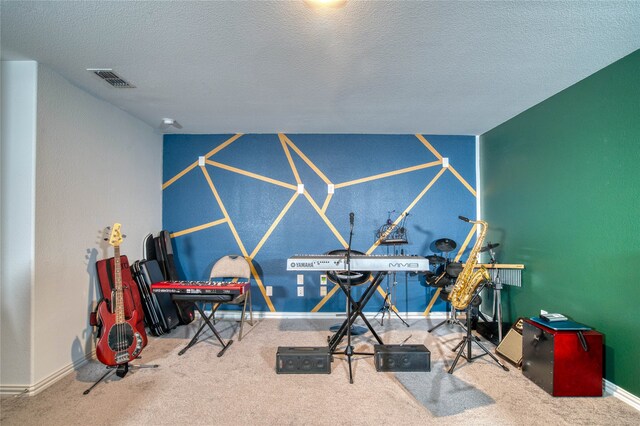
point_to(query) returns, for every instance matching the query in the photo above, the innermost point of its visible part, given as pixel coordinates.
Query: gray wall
(95, 165)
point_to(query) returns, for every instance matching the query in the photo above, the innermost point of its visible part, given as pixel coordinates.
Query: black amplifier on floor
(402, 358)
(303, 360)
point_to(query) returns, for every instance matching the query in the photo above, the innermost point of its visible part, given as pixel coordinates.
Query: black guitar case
(163, 252)
(160, 311)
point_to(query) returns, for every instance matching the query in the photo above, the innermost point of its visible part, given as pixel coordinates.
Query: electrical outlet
(543, 312)
(300, 291)
(300, 279)
(269, 290)
(323, 290)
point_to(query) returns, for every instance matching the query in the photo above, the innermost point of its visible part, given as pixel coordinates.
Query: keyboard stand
(356, 312)
(207, 319)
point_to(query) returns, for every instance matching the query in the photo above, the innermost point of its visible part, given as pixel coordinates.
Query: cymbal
(489, 247)
(445, 245)
(435, 259)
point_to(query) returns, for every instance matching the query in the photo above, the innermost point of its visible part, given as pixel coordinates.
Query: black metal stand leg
(207, 321)
(110, 370)
(120, 370)
(466, 344)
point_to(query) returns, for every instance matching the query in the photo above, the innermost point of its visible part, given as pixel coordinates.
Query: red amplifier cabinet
(556, 360)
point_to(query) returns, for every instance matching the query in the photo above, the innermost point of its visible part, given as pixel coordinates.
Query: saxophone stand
(466, 341)
(452, 319)
(121, 370)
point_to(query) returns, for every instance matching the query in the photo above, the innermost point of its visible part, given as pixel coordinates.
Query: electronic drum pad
(337, 277)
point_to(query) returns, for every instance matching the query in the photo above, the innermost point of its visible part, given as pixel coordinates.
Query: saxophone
(468, 280)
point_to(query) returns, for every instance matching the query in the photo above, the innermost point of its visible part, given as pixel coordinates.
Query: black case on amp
(160, 312)
(402, 358)
(303, 360)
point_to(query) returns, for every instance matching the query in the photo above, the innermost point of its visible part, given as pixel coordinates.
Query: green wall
(561, 193)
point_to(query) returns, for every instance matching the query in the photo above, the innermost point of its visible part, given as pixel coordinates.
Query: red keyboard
(201, 287)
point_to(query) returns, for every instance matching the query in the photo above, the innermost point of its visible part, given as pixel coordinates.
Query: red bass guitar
(120, 342)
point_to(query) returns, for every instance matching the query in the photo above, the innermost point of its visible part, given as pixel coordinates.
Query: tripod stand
(466, 341)
(387, 307)
(452, 319)
(120, 370)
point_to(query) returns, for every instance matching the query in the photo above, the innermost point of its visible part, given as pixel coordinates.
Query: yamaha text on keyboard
(380, 263)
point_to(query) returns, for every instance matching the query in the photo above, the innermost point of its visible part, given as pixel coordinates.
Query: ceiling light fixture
(317, 4)
(169, 122)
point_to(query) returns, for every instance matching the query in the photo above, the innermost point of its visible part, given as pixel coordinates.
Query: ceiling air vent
(111, 77)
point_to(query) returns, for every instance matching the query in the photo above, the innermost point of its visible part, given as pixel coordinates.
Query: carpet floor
(242, 386)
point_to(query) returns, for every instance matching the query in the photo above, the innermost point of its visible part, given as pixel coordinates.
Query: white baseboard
(621, 394)
(35, 389)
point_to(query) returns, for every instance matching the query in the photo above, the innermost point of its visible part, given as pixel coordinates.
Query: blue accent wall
(255, 181)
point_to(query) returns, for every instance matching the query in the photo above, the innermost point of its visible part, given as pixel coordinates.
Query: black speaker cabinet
(402, 358)
(303, 360)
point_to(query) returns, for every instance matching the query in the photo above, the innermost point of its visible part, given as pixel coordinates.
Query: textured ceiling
(369, 67)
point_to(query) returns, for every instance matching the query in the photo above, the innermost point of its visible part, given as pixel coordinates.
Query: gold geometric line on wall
(254, 272)
(326, 220)
(329, 295)
(288, 154)
(197, 228)
(461, 179)
(224, 211)
(179, 175)
(195, 163)
(326, 203)
(377, 243)
(306, 160)
(463, 247)
(410, 206)
(428, 145)
(273, 225)
(251, 175)
(237, 237)
(222, 145)
(325, 298)
(286, 143)
(387, 174)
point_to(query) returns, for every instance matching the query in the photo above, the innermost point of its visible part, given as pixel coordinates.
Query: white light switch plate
(300, 291)
(323, 290)
(300, 279)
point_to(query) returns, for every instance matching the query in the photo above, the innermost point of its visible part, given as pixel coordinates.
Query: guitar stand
(120, 370)
(466, 341)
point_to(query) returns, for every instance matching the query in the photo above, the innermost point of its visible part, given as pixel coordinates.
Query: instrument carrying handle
(583, 341)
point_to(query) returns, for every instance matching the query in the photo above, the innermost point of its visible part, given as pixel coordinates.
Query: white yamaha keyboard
(359, 262)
